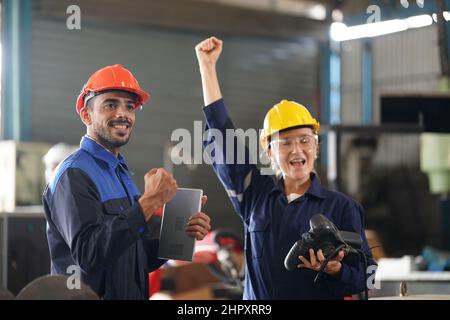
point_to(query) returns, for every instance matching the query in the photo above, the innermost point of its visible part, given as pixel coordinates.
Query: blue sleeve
(235, 167)
(352, 278)
(77, 212)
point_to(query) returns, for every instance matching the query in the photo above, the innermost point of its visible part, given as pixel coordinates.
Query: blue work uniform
(272, 224)
(95, 222)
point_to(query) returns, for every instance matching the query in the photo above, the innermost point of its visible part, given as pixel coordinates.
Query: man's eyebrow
(110, 100)
(107, 100)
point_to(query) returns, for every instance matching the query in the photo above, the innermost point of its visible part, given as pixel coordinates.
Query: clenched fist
(160, 187)
(208, 52)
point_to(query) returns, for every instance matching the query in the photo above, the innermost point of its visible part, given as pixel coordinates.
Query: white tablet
(174, 243)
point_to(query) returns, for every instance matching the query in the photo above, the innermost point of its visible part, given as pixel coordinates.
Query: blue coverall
(272, 225)
(94, 222)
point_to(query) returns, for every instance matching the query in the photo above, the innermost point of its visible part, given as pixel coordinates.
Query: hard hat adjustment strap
(92, 94)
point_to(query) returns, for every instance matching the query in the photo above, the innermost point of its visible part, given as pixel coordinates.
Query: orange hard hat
(114, 77)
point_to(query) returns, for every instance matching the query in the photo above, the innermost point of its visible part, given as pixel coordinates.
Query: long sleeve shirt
(95, 223)
(272, 224)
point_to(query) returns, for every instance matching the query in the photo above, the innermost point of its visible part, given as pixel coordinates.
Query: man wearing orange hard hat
(97, 218)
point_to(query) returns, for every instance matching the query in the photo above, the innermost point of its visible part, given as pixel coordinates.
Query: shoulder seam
(69, 164)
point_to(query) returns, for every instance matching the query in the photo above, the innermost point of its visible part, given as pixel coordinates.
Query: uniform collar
(100, 152)
(315, 189)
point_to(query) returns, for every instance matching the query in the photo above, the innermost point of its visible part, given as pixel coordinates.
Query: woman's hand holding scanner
(160, 187)
(333, 267)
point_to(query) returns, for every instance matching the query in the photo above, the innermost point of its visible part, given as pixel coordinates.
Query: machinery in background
(431, 112)
(21, 174)
(383, 167)
(435, 161)
(24, 253)
(379, 167)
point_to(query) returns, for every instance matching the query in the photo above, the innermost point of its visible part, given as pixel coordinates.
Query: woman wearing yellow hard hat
(276, 212)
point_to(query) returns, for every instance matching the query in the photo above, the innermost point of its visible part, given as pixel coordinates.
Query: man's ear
(85, 116)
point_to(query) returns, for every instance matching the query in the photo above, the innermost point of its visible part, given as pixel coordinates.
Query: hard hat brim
(142, 95)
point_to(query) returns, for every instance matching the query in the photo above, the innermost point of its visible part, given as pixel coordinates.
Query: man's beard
(106, 139)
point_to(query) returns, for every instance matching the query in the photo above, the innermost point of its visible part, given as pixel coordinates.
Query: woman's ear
(270, 156)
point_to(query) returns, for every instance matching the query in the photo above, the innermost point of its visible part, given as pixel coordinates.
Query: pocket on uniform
(258, 229)
(115, 206)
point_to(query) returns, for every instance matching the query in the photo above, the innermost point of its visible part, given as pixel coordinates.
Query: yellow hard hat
(285, 115)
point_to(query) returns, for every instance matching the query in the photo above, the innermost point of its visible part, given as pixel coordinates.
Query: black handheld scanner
(324, 235)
